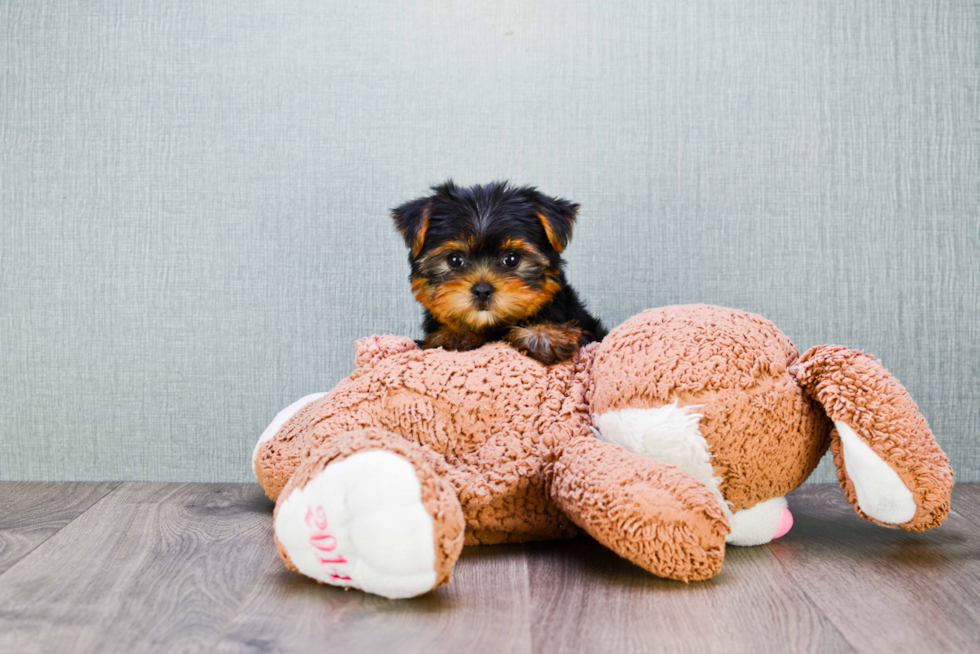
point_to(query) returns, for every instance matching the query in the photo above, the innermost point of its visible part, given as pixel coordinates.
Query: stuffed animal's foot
(373, 519)
(361, 523)
(759, 524)
(888, 461)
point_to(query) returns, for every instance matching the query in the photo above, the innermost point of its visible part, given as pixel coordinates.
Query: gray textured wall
(194, 196)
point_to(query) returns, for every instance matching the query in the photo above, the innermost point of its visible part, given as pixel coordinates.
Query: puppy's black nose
(482, 291)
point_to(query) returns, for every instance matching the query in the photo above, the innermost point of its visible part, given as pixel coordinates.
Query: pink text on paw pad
(316, 520)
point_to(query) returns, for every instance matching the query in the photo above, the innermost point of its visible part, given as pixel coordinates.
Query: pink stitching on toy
(319, 539)
(339, 559)
(320, 518)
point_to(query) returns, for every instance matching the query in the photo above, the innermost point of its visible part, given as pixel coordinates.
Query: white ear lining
(881, 494)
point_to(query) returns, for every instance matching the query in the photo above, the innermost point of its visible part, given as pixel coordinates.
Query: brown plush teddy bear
(682, 430)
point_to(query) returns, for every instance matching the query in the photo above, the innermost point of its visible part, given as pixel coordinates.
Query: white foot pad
(361, 523)
(881, 494)
(761, 523)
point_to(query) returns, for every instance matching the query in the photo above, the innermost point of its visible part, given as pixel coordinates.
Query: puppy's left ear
(557, 216)
(412, 220)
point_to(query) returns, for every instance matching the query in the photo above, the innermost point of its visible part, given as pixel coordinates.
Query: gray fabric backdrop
(194, 196)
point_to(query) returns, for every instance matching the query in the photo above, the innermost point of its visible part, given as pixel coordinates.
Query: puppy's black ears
(557, 216)
(412, 220)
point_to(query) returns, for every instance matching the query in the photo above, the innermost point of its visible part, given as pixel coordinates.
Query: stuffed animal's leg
(671, 434)
(286, 441)
(654, 514)
(299, 428)
(365, 510)
(289, 424)
(888, 461)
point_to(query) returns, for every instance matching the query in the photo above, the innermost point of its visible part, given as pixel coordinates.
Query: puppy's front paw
(450, 340)
(548, 343)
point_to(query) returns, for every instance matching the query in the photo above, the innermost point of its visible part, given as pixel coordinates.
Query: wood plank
(153, 566)
(484, 609)
(33, 511)
(965, 504)
(186, 566)
(887, 589)
(586, 599)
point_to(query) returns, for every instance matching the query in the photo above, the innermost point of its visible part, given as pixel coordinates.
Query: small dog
(486, 265)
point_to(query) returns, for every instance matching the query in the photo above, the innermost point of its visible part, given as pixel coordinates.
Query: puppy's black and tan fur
(486, 265)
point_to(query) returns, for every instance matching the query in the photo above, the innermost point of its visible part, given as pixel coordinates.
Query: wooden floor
(106, 567)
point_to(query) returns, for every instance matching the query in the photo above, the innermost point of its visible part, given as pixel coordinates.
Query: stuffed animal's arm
(651, 513)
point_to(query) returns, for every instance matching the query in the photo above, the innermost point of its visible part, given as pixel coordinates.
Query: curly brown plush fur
(506, 446)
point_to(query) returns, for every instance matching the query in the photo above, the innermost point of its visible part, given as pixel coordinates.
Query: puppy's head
(485, 256)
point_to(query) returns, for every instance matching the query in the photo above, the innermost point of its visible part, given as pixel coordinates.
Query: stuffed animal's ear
(557, 216)
(412, 220)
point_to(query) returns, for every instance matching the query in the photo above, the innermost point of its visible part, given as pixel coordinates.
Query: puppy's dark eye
(511, 260)
(456, 260)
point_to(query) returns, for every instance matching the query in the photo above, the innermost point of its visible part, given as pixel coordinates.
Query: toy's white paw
(761, 523)
(361, 523)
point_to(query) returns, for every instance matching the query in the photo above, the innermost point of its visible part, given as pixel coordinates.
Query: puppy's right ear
(412, 220)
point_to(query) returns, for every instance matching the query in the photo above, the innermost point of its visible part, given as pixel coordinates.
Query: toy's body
(495, 453)
(705, 418)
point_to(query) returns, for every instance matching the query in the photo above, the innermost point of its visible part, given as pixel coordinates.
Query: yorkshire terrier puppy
(486, 265)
